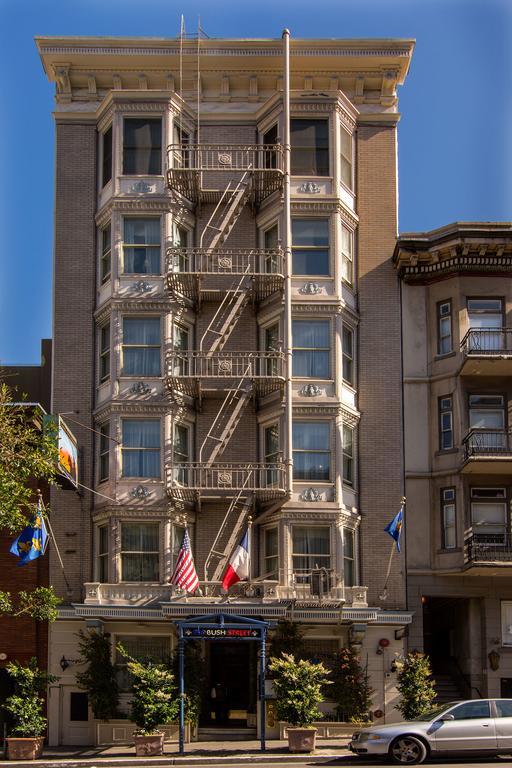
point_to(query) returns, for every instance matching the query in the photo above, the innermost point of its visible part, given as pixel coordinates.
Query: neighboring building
(22, 638)
(188, 266)
(457, 349)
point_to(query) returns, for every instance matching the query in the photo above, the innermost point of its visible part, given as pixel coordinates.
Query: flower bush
(298, 686)
(26, 704)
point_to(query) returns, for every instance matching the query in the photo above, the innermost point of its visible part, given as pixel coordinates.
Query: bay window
(311, 450)
(103, 554)
(346, 155)
(311, 348)
(489, 515)
(349, 557)
(141, 447)
(310, 147)
(141, 246)
(271, 556)
(104, 463)
(310, 247)
(311, 550)
(141, 346)
(347, 255)
(348, 355)
(104, 352)
(142, 146)
(485, 319)
(348, 455)
(140, 552)
(106, 253)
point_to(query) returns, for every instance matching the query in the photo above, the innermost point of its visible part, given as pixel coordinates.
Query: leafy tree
(26, 704)
(155, 700)
(99, 677)
(415, 685)
(351, 689)
(298, 686)
(28, 453)
(287, 638)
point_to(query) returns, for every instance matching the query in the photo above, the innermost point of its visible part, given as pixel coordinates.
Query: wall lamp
(65, 663)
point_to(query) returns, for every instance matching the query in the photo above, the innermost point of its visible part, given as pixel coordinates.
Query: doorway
(232, 680)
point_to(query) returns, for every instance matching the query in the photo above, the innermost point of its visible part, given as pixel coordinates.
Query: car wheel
(407, 750)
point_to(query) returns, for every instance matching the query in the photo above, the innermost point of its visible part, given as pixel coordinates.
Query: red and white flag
(238, 567)
(185, 575)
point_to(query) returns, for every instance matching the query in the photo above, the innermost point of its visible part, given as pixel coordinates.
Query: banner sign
(68, 454)
(220, 633)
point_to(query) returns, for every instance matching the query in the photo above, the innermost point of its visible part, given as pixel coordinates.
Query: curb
(114, 762)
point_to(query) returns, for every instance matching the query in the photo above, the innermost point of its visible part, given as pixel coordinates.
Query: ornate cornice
(142, 304)
(158, 407)
(159, 204)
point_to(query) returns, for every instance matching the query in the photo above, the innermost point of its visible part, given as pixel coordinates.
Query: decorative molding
(142, 187)
(310, 494)
(140, 388)
(311, 390)
(310, 289)
(141, 286)
(154, 407)
(140, 492)
(309, 188)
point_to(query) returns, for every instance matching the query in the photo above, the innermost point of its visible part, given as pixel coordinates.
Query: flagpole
(384, 594)
(47, 519)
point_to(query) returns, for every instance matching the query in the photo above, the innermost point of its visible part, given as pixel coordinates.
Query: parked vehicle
(479, 727)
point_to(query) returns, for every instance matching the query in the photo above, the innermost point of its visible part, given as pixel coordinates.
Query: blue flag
(33, 540)
(394, 528)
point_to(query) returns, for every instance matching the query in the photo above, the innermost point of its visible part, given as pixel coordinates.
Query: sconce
(494, 660)
(401, 633)
(65, 663)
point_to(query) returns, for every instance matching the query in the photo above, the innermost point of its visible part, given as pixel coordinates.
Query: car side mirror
(447, 717)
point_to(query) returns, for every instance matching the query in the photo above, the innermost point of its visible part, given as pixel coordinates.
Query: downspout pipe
(287, 248)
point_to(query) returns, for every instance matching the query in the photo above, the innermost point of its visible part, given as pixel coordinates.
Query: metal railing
(487, 442)
(222, 365)
(485, 547)
(488, 342)
(225, 261)
(226, 157)
(224, 478)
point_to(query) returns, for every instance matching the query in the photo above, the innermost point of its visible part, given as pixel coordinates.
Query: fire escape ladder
(233, 523)
(227, 315)
(226, 213)
(225, 422)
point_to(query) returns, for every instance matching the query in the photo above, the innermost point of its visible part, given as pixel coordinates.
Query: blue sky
(454, 138)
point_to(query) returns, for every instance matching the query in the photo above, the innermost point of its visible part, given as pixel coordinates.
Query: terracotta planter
(148, 746)
(24, 748)
(301, 739)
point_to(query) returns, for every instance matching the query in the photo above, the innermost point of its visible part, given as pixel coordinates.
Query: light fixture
(64, 663)
(401, 633)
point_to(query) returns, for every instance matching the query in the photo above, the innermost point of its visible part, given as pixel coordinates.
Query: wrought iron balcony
(202, 274)
(192, 480)
(490, 446)
(487, 351)
(198, 171)
(488, 548)
(199, 373)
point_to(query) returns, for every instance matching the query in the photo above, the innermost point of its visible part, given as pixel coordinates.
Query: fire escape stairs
(225, 422)
(226, 213)
(231, 526)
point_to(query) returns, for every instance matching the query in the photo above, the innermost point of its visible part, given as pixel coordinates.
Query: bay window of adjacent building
(180, 452)
(104, 352)
(348, 355)
(310, 247)
(103, 554)
(141, 346)
(489, 515)
(106, 253)
(311, 348)
(311, 450)
(347, 255)
(444, 327)
(310, 147)
(348, 455)
(448, 519)
(106, 156)
(141, 246)
(311, 550)
(349, 557)
(142, 146)
(445, 411)
(140, 552)
(104, 462)
(157, 648)
(271, 553)
(485, 319)
(346, 158)
(487, 423)
(141, 448)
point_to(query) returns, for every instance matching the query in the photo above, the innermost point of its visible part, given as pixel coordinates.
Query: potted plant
(154, 703)
(298, 687)
(25, 708)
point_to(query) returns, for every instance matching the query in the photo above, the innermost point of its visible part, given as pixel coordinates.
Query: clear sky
(454, 137)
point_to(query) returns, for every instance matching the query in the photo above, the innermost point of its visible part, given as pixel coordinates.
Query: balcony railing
(487, 342)
(188, 480)
(191, 372)
(488, 547)
(195, 271)
(487, 443)
(198, 171)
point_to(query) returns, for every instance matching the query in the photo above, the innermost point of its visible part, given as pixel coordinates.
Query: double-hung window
(272, 452)
(346, 158)
(311, 550)
(181, 452)
(141, 246)
(489, 515)
(485, 319)
(311, 450)
(104, 463)
(106, 253)
(448, 519)
(103, 554)
(348, 355)
(140, 550)
(311, 347)
(347, 255)
(181, 259)
(181, 344)
(348, 455)
(445, 406)
(104, 352)
(444, 327)
(106, 156)
(142, 146)
(349, 557)
(487, 423)
(271, 244)
(271, 556)
(141, 346)
(141, 448)
(310, 247)
(310, 147)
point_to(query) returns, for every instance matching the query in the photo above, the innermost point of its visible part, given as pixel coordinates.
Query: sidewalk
(196, 753)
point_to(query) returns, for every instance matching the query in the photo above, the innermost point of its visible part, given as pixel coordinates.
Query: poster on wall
(68, 454)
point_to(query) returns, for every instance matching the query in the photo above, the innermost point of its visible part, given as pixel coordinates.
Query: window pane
(471, 710)
(307, 262)
(504, 708)
(310, 232)
(137, 330)
(310, 147)
(314, 336)
(311, 435)
(142, 146)
(138, 433)
(107, 156)
(485, 305)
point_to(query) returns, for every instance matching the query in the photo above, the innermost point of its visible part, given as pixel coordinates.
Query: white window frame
(327, 321)
(124, 448)
(104, 353)
(125, 346)
(347, 256)
(122, 552)
(141, 215)
(102, 557)
(448, 517)
(158, 116)
(329, 450)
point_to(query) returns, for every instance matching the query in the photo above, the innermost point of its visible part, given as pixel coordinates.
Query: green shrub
(415, 685)
(99, 677)
(298, 686)
(351, 690)
(25, 706)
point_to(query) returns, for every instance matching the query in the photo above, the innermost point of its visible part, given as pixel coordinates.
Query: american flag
(185, 575)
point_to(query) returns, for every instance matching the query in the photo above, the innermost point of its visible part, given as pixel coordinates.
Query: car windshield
(432, 714)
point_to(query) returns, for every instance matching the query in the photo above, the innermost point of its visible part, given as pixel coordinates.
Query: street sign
(230, 633)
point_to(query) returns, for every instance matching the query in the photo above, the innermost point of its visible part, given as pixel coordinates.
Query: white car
(478, 727)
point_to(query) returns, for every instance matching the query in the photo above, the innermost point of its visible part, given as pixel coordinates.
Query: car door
(504, 723)
(472, 728)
